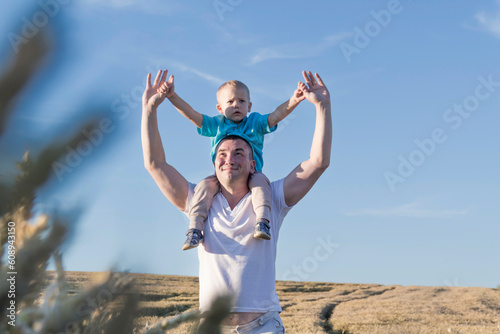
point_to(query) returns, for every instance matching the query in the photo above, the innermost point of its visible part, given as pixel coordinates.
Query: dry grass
(310, 307)
(418, 309)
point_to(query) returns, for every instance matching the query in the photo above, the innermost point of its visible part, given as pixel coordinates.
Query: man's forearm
(282, 111)
(305, 175)
(172, 184)
(152, 146)
(186, 110)
(322, 139)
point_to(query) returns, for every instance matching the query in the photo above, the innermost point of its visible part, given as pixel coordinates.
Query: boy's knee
(258, 179)
(210, 184)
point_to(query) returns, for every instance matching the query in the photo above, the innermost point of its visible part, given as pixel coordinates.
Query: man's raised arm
(172, 184)
(305, 175)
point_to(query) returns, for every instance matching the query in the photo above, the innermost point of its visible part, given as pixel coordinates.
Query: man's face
(232, 161)
(234, 103)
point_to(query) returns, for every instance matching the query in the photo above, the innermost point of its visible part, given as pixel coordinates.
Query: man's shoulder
(277, 183)
(277, 186)
(278, 198)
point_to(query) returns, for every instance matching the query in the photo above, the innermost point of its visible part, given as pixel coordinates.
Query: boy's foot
(194, 238)
(262, 230)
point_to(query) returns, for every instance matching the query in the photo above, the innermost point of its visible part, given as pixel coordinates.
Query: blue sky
(412, 193)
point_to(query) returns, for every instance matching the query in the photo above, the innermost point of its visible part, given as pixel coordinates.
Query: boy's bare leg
(203, 196)
(261, 200)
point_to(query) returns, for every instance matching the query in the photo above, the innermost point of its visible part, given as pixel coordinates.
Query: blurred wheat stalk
(38, 238)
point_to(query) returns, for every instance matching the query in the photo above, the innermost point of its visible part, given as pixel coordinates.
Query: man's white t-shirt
(232, 261)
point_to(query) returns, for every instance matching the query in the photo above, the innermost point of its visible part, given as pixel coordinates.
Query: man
(231, 260)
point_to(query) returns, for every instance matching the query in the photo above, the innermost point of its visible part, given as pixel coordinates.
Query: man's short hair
(234, 137)
(235, 84)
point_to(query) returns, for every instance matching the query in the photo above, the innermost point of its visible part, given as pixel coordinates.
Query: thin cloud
(414, 209)
(208, 77)
(154, 7)
(297, 50)
(174, 65)
(490, 22)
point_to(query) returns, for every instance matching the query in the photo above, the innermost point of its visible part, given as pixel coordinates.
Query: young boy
(233, 103)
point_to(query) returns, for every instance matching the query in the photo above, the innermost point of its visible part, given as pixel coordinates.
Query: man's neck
(234, 194)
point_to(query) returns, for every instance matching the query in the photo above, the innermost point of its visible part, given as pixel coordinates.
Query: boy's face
(234, 103)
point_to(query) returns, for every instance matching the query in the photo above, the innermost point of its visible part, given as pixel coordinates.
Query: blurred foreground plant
(28, 241)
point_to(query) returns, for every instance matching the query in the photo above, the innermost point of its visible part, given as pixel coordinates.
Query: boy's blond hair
(235, 84)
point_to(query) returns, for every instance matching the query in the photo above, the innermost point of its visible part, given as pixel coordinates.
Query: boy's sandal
(262, 230)
(194, 238)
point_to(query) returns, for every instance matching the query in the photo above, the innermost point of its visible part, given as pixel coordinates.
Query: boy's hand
(298, 94)
(315, 91)
(151, 97)
(167, 89)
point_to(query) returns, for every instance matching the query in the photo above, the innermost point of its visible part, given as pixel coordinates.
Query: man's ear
(219, 108)
(252, 166)
(249, 106)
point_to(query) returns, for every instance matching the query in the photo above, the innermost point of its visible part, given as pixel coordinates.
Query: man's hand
(315, 91)
(167, 89)
(151, 97)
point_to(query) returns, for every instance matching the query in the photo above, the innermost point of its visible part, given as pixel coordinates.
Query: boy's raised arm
(167, 90)
(286, 107)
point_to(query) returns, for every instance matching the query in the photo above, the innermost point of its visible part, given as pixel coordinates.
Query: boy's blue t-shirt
(252, 128)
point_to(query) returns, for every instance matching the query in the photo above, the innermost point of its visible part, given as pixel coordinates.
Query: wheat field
(316, 307)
